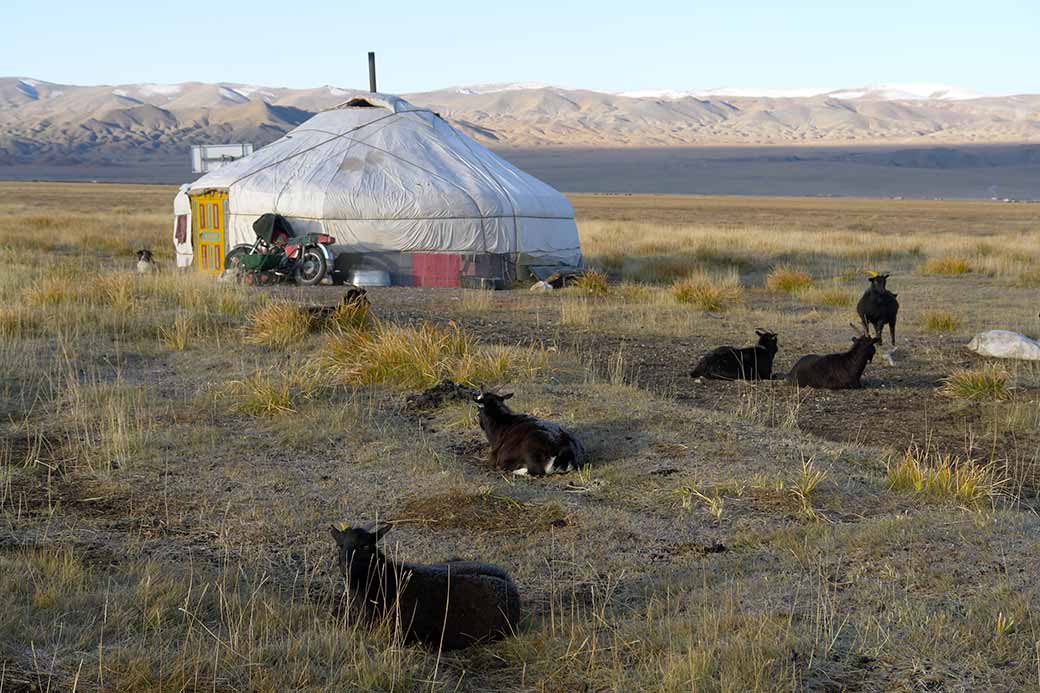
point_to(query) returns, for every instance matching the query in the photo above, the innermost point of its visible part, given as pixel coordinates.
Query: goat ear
(380, 531)
(336, 533)
(508, 395)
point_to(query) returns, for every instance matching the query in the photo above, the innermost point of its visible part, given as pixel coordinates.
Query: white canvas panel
(396, 178)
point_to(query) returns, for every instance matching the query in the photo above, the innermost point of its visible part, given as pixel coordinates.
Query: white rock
(1004, 344)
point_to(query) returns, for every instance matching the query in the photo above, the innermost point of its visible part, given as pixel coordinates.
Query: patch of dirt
(482, 512)
(436, 396)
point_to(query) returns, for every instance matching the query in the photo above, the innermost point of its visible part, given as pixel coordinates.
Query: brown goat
(525, 444)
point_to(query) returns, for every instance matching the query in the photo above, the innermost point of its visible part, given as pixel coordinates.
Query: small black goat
(835, 371)
(526, 444)
(731, 363)
(878, 306)
(447, 605)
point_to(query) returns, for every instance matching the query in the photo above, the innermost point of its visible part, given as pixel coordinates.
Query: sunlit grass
(715, 294)
(943, 476)
(989, 382)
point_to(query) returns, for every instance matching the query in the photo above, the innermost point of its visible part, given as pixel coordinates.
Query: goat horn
(872, 273)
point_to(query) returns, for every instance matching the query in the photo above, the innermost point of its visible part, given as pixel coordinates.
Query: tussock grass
(419, 357)
(943, 477)
(265, 393)
(788, 280)
(592, 283)
(988, 383)
(940, 321)
(278, 325)
(632, 292)
(482, 511)
(352, 317)
(828, 296)
(714, 294)
(805, 487)
(945, 265)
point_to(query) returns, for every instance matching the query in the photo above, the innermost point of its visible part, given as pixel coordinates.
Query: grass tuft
(714, 294)
(829, 296)
(943, 476)
(351, 317)
(941, 321)
(278, 324)
(988, 383)
(592, 283)
(263, 394)
(419, 357)
(945, 265)
(788, 280)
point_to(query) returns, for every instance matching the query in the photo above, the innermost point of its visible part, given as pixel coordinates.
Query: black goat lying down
(447, 605)
(878, 307)
(526, 444)
(731, 363)
(835, 371)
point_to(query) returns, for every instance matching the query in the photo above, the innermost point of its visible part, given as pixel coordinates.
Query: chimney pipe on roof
(372, 71)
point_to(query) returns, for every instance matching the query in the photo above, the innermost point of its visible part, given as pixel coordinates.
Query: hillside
(49, 123)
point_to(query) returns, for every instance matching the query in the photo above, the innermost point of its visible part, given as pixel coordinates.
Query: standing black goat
(447, 605)
(878, 306)
(731, 363)
(526, 444)
(835, 371)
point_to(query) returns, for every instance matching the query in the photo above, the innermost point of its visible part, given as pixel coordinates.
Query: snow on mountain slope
(874, 92)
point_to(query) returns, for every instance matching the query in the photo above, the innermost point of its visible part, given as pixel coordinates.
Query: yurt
(399, 188)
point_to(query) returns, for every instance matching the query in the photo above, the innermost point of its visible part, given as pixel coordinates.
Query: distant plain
(923, 172)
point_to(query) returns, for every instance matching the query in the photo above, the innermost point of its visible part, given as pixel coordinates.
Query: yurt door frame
(209, 222)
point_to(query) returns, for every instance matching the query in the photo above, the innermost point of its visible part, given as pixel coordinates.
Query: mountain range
(58, 124)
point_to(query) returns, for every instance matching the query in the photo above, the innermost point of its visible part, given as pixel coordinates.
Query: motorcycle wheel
(231, 259)
(310, 268)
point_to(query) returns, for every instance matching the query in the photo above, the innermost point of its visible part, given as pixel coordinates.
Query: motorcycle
(279, 255)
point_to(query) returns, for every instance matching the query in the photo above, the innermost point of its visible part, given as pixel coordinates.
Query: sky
(989, 47)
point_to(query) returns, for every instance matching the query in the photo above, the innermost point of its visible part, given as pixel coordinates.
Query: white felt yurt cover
(394, 177)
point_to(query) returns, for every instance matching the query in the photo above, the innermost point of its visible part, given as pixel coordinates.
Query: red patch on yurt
(436, 269)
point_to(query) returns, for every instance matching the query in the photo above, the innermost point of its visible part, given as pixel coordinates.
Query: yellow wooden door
(209, 221)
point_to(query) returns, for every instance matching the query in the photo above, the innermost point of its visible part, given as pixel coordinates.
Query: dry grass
(940, 321)
(989, 383)
(265, 393)
(592, 283)
(277, 324)
(409, 357)
(945, 265)
(788, 280)
(714, 294)
(181, 627)
(797, 563)
(828, 296)
(944, 477)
